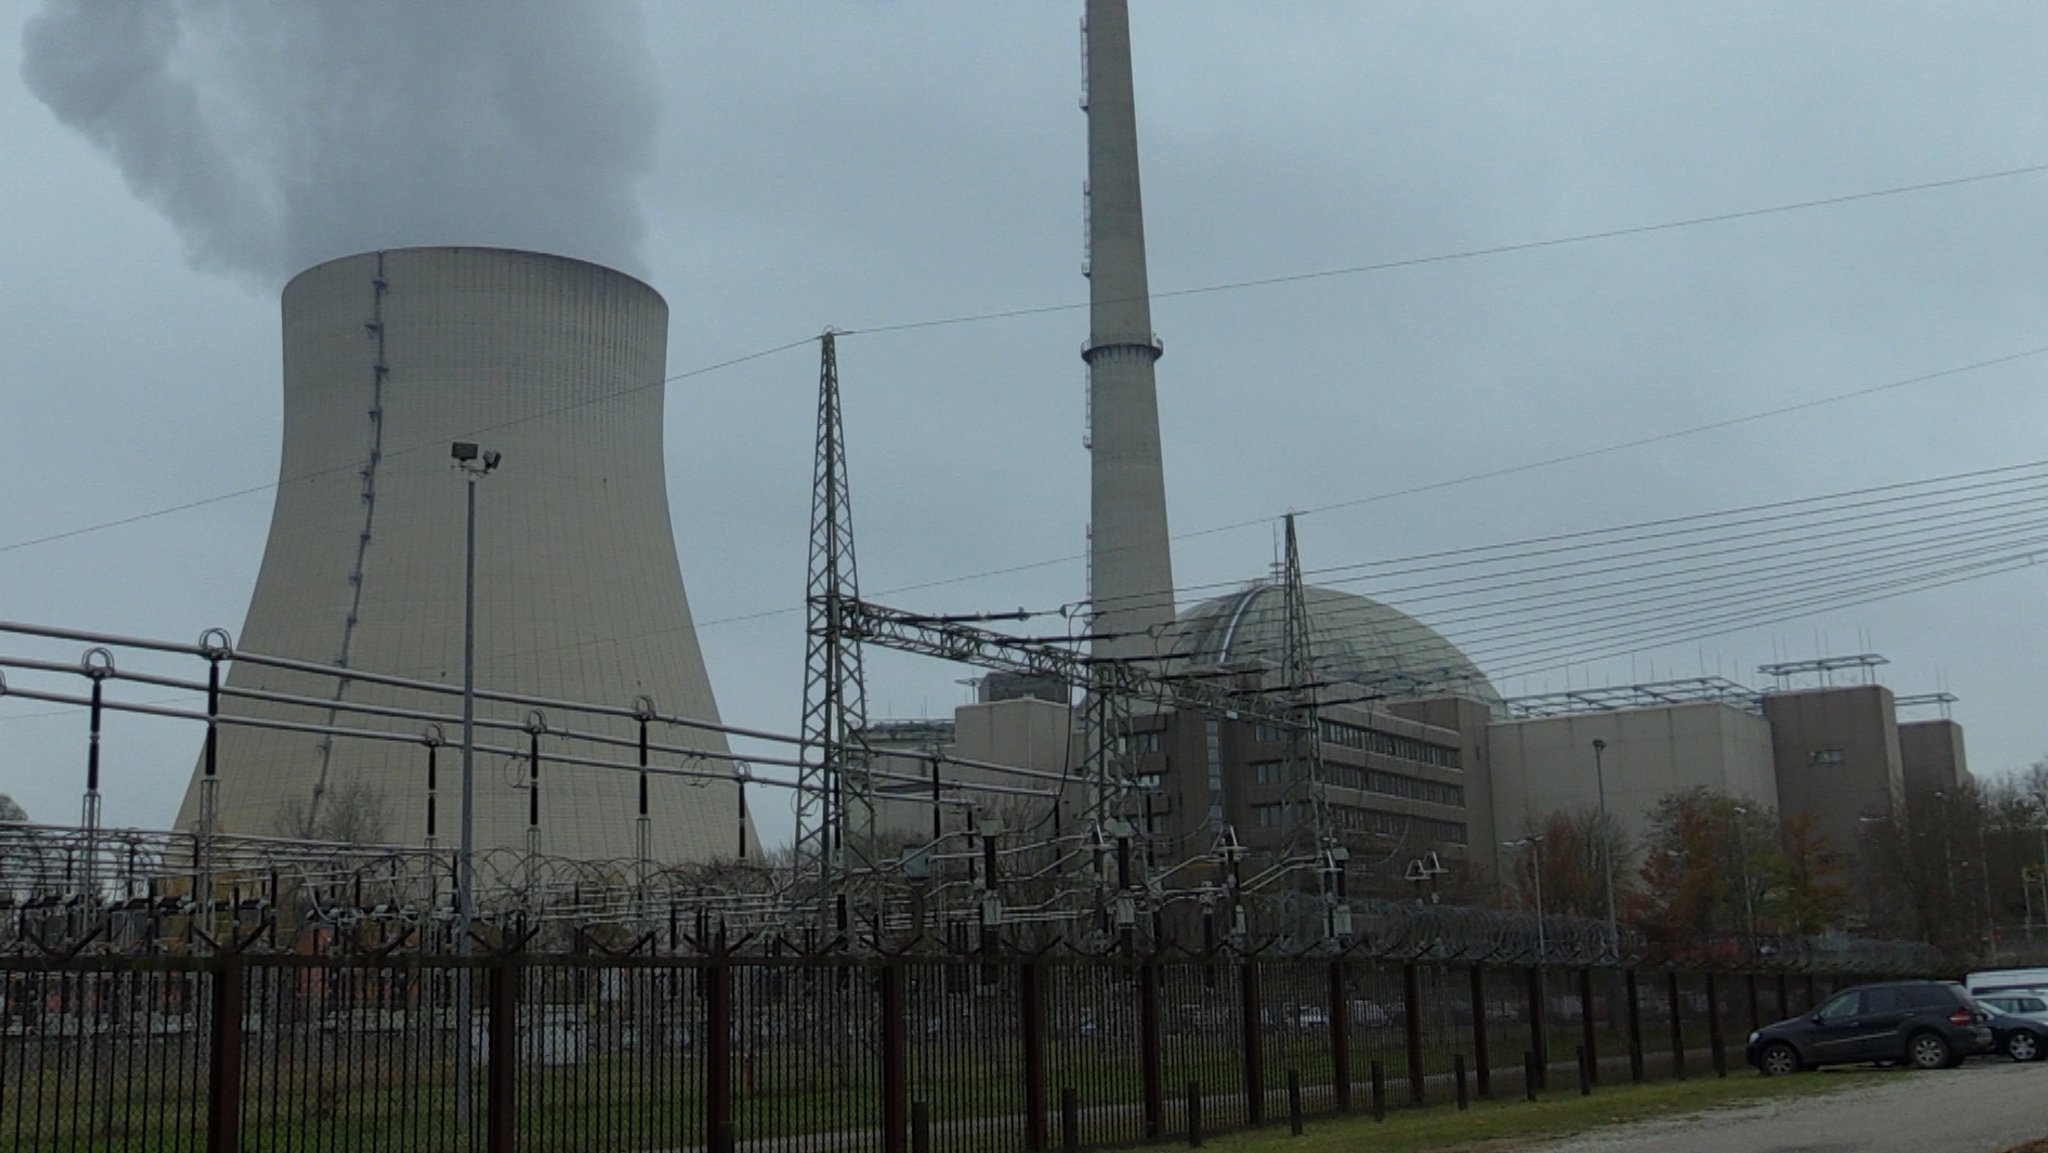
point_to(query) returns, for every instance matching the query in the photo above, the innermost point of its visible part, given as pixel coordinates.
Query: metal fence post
(1588, 1035)
(501, 1072)
(1340, 1038)
(1539, 1045)
(1254, 1043)
(1151, 1071)
(1031, 1010)
(224, 1076)
(1715, 1048)
(1635, 1026)
(1411, 997)
(1677, 1025)
(1756, 1020)
(1480, 1065)
(1784, 997)
(895, 1074)
(718, 1133)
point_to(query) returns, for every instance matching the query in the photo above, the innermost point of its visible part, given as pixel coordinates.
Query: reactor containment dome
(1352, 639)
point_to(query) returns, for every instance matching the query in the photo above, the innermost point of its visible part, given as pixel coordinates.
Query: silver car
(2019, 1022)
(2029, 1003)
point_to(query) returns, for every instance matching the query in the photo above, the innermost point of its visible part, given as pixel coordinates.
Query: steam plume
(277, 135)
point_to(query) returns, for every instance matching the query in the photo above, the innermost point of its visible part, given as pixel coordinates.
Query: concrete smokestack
(1131, 562)
(557, 364)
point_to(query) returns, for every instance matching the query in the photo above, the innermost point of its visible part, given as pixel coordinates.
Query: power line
(406, 450)
(1676, 603)
(1773, 614)
(1918, 494)
(1492, 474)
(1473, 253)
(1198, 290)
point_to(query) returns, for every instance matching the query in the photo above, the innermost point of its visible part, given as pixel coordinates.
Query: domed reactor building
(1403, 745)
(557, 366)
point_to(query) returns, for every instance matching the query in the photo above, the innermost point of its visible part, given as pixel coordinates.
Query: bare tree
(11, 810)
(351, 815)
(1574, 881)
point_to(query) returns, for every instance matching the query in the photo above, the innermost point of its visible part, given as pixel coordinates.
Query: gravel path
(1985, 1107)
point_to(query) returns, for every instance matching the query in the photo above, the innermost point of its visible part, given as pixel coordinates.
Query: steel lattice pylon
(1311, 837)
(834, 805)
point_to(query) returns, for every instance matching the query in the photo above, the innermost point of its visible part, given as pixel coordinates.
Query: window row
(1371, 741)
(1367, 780)
(1415, 830)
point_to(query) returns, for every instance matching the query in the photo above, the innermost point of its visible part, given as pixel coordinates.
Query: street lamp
(1742, 853)
(1606, 851)
(1533, 842)
(2041, 799)
(474, 463)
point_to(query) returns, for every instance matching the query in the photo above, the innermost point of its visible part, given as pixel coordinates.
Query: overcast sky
(790, 166)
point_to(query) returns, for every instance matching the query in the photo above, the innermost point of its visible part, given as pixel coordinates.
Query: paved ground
(1984, 1107)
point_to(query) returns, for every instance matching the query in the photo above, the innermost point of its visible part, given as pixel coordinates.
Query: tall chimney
(1130, 561)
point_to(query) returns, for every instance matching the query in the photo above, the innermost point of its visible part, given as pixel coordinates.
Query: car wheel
(1928, 1051)
(2021, 1045)
(1778, 1059)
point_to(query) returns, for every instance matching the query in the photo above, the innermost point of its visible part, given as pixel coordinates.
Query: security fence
(781, 1053)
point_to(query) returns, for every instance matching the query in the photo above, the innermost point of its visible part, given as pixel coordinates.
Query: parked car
(2029, 1003)
(2019, 1023)
(1929, 1024)
(2017, 1037)
(1370, 1013)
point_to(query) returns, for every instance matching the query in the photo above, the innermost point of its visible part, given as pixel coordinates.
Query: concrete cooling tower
(557, 365)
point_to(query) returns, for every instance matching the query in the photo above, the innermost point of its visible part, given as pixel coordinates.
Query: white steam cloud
(275, 135)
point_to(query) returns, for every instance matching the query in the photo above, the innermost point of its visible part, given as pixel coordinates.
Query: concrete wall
(1545, 765)
(1029, 733)
(1837, 755)
(1930, 758)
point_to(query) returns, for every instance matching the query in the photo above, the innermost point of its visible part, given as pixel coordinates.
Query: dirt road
(1982, 1108)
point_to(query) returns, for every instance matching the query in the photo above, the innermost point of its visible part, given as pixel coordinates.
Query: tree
(1816, 895)
(1714, 866)
(11, 810)
(1574, 880)
(351, 815)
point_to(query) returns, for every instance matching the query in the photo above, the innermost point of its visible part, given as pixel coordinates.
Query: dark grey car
(1928, 1024)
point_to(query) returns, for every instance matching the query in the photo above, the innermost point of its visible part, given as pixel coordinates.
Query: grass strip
(1508, 1122)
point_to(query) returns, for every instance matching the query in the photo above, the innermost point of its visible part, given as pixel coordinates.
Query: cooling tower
(556, 364)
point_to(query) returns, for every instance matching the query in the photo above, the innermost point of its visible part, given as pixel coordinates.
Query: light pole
(1534, 843)
(1606, 851)
(2041, 799)
(1742, 854)
(474, 463)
